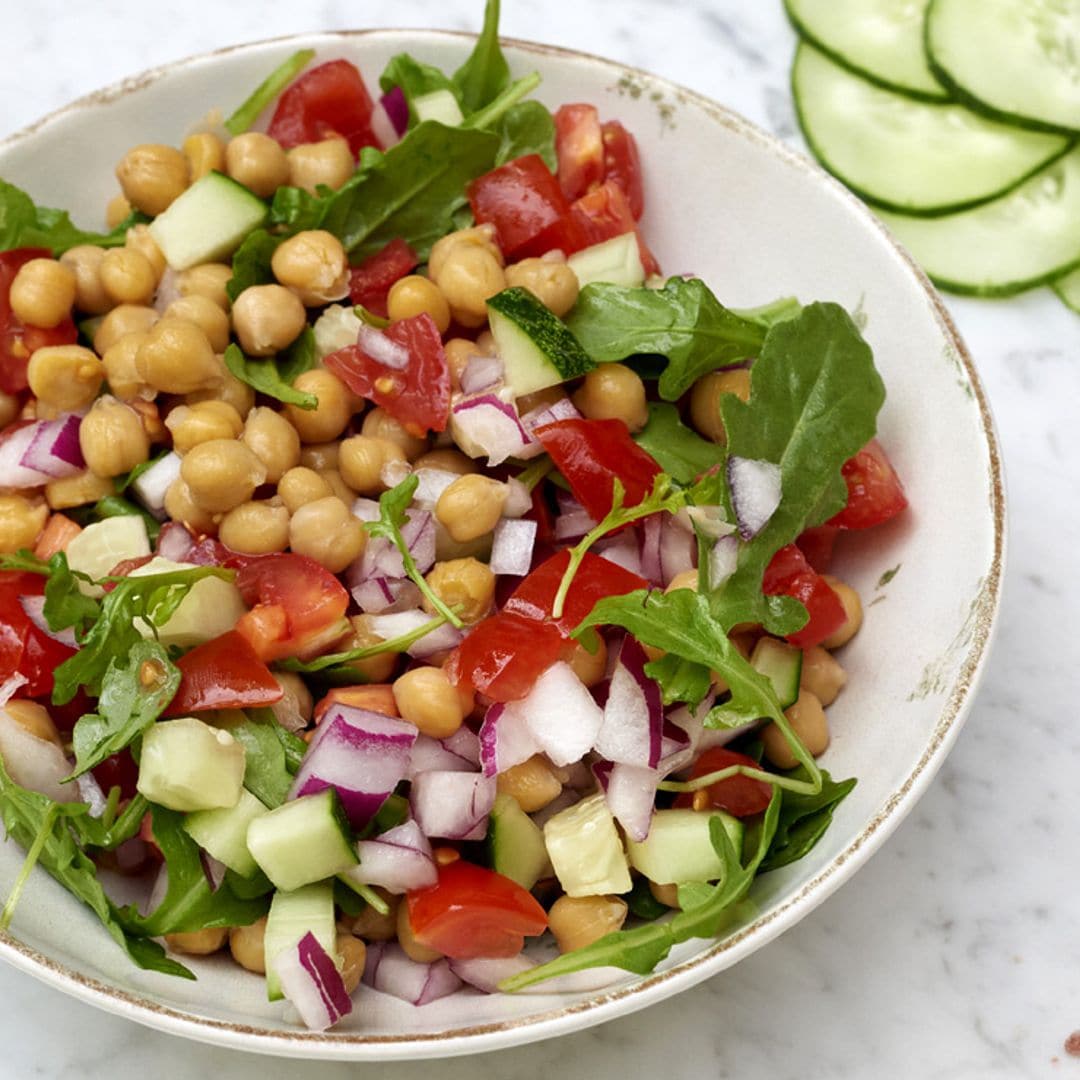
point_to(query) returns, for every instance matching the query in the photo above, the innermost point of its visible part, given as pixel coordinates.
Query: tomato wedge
(24, 649)
(875, 493)
(579, 149)
(375, 697)
(740, 796)
(789, 574)
(622, 164)
(472, 912)
(223, 673)
(817, 545)
(330, 99)
(370, 282)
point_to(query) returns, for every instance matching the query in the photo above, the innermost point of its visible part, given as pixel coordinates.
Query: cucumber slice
(679, 848)
(292, 915)
(882, 40)
(100, 546)
(585, 849)
(905, 155)
(616, 261)
(439, 105)
(536, 348)
(188, 765)
(516, 844)
(1068, 288)
(208, 222)
(1016, 60)
(781, 664)
(223, 833)
(1027, 238)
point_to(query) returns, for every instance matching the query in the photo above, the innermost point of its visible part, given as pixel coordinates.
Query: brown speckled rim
(650, 989)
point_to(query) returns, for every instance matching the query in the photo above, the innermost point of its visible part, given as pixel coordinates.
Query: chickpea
(361, 460)
(468, 276)
(375, 669)
(407, 940)
(532, 783)
(482, 236)
(705, 400)
(42, 292)
(9, 408)
(68, 377)
(112, 437)
(78, 490)
(320, 456)
(221, 474)
(808, 721)
(116, 210)
(273, 440)
(255, 528)
(338, 486)
(329, 163)
(231, 390)
(426, 697)
(471, 506)
(353, 954)
(21, 520)
(589, 667)
(84, 261)
(206, 315)
(447, 460)
(127, 276)
(35, 719)
(120, 371)
(300, 486)
(458, 351)
(152, 424)
(667, 894)
(123, 320)
(152, 176)
(576, 921)
(415, 295)
(314, 265)
(138, 238)
(328, 532)
(296, 702)
(551, 281)
(540, 399)
(197, 942)
(206, 279)
(465, 584)
(382, 425)
(853, 614)
(248, 946)
(267, 318)
(485, 343)
(205, 153)
(258, 162)
(176, 358)
(332, 414)
(614, 392)
(373, 926)
(198, 423)
(181, 506)
(822, 675)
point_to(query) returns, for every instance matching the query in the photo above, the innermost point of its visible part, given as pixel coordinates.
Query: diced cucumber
(536, 348)
(223, 833)
(292, 915)
(439, 105)
(306, 840)
(616, 261)
(207, 222)
(100, 546)
(910, 156)
(516, 844)
(679, 848)
(586, 851)
(188, 765)
(781, 664)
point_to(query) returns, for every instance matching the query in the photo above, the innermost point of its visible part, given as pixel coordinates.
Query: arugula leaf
(803, 819)
(109, 831)
(266, 771)
(246, 115)
(485, 73)
(299, 357)
(680, 451)
(680, 679)
(295, 209)
(265, 376)
(251, 263)
(65, 604)
(135, 690)
(768, 315)
(682, 321)
(526, 128)
(642, 903)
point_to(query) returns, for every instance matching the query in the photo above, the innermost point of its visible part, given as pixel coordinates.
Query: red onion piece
(452, 805)
(512, 547)
(152, 485)
(481, 373)
(650, 549)
(396, 106)
(676, 750)
(366, 509)
(484, 424)
(701, 737)
(34, 606)
(90, 793)
(622, 549)
(561, 714)
(563, 409)
(723, 560)
(485, 973)
(430, 484)
(382, 349)
(382, 559)
(678, 550)
(382, 595)
(397, 860)
(54, 448)
(465, 745)
(213, 870)
(405, 622)
(311, 981)
(574, 525)
(12, 449)
(388, 969)
(505, 739)
(630, 793)
(755, 493)
(34, 763)
(430, 755)
(633, 713)
(174, 542)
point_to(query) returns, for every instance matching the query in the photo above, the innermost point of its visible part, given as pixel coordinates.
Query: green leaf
(680, 451)
(485, 73)
(642, 903)
(803, 820)
(246, 115)
(415, 79)
(266, 377)
(266, 772)
(526, 128)
(680, 679)
(65, 604)
(251, 263)
(294, 209)
(767, 315)
(299, 357)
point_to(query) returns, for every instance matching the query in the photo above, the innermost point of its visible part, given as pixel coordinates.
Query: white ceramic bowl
(757, 222)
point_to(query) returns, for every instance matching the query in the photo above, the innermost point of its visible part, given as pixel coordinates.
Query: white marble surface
(956, 952)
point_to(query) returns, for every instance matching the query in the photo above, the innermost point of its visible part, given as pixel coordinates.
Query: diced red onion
(388, 969)
(755, 493)
(12, 449)
(622, 549)
(397, 860)
(484, 424)
(481, 373)
(381, 595)
(723, 560)
(37, 764)
(561, 714)
(485, 973)
(168, 290)
(34, 606)
(701, 737)
(512, 546)
(310, 980)
(573, 526)
(676, 750)
(152, 485)
(90, 793)
(465, 744)
(563, 409)
(678, 550)
(54, 448)
(430, 484)
(430, 754)
(174, 542)
(405, 622)
(518, 499)
(630, 794)
(213, 870)
(288, 710)
(452, 805)
(382, 558)
(366, 509)
(375, 344)
(633, 718)
(505, 739)
(396, 106)
(651, 567)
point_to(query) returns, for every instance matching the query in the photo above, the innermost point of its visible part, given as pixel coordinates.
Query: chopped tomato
(605, 213)
(24, 649)
(817, 545)
(59, 531)
(622, 164)
(789, 574)
(472, 912)
(330, 99)
(579, 148)
(591, 454)
(875, 493)
(418, 395)
(370, 282)
(223, 673)
(527, 207)
(376, 697)
(740, 796)
(18, 341)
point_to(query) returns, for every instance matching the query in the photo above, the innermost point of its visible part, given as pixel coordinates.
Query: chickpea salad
(396, 566)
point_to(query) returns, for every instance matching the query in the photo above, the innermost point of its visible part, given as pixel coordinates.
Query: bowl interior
(756, 222)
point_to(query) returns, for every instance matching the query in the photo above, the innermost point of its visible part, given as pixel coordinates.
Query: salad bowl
(729, 204)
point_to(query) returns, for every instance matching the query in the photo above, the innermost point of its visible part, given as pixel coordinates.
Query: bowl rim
(604, 1005)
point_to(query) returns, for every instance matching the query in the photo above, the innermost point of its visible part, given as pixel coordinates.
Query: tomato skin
(419, 395)
(330, 99)
(740, 796)
(375, 697)
(579, 149)
(875, 493)
(591, 454)
(472, 912)
(817, 545)
(223, 673)
(605, 213)
(24, 649)
(622, 164)
(789, 574)
(370, 282)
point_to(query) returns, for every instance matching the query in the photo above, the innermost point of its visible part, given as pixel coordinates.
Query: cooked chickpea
(329, 163)
(332, 414)
(35, 719)
(352, 953)
(221, 474)
(426, 697)
(201, 422)
(78, 490)
(127, 276)
(197, 942)
(320, 456)
(206, 279)
(551, 281)
(84, 261)
(416, 295)
(338, 486)
(258, 162)
(9, 408)
(248, 946)
(361, 459)
(822, 675)
(231, 390)
(482, 236)
(532, 783)
(446, 460)
(466, 585)
(267, 318)
(808, 721)
(705, 400)
(540, 399)
(273, 440)
(181, 506)
(116, 210)
(458, 351)
(68, 377)
(138, 237)
(152, 176)
(42, 292)
(577, 921)
(21, 520)
(255, 528)
(371, 925)
(301, 485)
(468, 276)
(407, 940)
(589, 667)
(471, 506)
(296, 702)
(205, 153)
(853, 614)
(328, 532)
(206, 315)
(176, 358)
(152, 423)
(112, 437)
(382, 425)
(666, 894)
(120, 371)
(123, 320)
(314, 265)
(614, 392)
(374, 669)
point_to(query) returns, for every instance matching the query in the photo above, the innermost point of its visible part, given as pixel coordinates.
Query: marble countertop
(955, 953)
